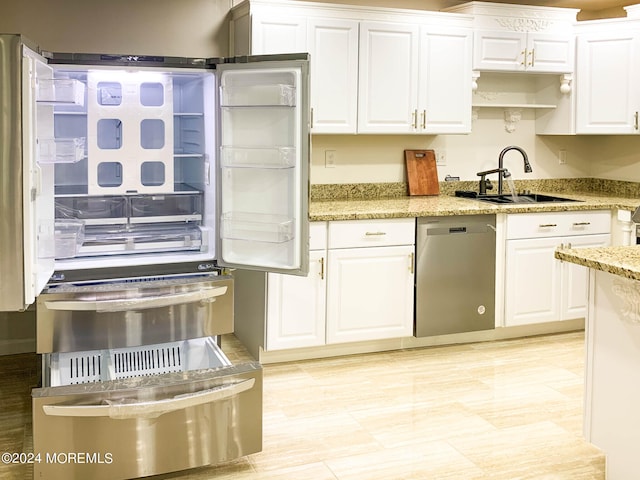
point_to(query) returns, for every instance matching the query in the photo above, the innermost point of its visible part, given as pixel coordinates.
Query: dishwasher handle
(433, 230)
(123, 304)
(151, 409)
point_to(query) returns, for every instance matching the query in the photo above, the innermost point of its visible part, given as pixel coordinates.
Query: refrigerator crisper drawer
(120, 314)
(147, 425)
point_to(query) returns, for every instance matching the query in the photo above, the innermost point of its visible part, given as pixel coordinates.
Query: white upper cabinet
(408, 83)
(277, 34)
(333, 47)
(521, 38)
(444, 95)
(388, 78)
(373, 70)
(520, 52)
(608, 78)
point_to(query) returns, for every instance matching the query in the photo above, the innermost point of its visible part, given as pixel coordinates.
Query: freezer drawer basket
(69, 368)
(135, 362)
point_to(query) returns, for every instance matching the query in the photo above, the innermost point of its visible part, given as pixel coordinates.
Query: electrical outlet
(330, 158)
(441, 158)
(562, 157)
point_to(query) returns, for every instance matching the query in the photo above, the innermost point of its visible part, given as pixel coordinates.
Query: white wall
(194, 28)
(616, 157)
(380, 158)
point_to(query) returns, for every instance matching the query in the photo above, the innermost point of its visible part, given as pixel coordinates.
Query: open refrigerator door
(263, 166)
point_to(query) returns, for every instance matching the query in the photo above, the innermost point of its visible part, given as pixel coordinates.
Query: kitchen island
(612, 370)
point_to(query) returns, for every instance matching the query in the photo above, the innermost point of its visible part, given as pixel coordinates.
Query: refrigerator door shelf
(61, 150)
(258, 157)
(260, 94)
(60, 91)
(257, 227)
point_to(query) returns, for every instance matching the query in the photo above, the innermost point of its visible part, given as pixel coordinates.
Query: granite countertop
(443, 205)
(622, 261)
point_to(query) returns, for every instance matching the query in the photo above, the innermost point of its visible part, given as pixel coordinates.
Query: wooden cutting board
(422, 173)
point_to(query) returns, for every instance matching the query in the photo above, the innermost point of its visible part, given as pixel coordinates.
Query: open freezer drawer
(147, 425)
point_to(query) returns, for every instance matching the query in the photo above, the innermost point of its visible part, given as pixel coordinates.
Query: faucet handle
(487, 184)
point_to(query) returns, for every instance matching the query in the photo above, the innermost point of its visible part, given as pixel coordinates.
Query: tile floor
(497, 410)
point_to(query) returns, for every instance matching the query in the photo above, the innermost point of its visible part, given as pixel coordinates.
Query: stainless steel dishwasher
(455, 274)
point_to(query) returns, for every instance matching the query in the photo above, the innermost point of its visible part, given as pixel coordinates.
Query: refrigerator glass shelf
(257, 227)
(258, 157)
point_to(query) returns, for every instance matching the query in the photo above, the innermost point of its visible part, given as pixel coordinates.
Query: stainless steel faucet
(527, 165)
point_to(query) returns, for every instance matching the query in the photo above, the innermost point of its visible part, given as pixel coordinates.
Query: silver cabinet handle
(150, 409)
(414, 119)
(123, 304)
(411, 262)
(424, 119)
(321, 268)
(524, 57)
(532, 53)
(581, 224)
(375, 234)
(548, 225)
(635, 121)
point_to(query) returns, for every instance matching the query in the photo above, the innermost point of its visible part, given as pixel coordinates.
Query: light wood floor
(498, 410)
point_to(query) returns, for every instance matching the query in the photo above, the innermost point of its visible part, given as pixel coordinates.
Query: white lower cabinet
(538, 287)
(296, 307)
(363, 292)
(370, 293)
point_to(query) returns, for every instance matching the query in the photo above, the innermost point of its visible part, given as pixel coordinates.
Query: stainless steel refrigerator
(130, 187)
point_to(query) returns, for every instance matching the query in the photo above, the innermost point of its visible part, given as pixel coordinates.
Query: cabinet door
(445, 86)
(550, 53)
(388, 79)
(296, 307)
(499, 50)
(532, 281)
(278, 35)
(608, 86)
(575, 278)
(370, 293)
(333, 46)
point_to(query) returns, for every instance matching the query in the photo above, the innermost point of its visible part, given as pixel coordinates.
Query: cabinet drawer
(317, 235)
(554, 224)
(371, 233)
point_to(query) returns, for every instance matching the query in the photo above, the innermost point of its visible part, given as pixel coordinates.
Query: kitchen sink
(507, 198)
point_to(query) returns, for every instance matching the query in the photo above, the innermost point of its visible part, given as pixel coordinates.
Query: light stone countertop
(444, 205)
(622, 261)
